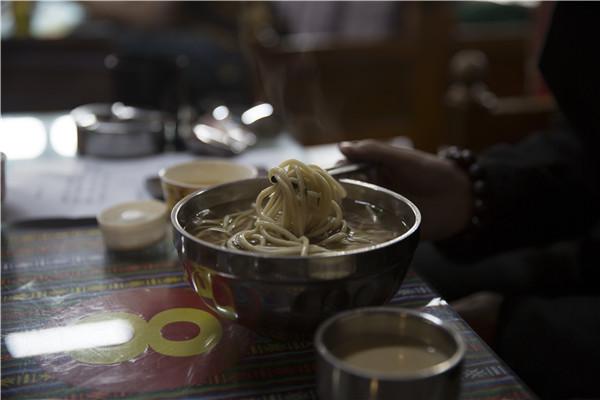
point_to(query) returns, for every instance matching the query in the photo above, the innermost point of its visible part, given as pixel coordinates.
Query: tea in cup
(385, 353)
(179, 180)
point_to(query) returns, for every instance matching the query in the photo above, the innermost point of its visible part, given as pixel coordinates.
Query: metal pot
(117, 130)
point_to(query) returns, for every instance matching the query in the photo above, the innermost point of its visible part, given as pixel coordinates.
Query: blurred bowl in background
(217, 133)
(117, 130)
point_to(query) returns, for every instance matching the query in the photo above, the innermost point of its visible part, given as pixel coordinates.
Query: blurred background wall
(448, 72)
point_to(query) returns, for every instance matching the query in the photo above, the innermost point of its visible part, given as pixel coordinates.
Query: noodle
(299, 214)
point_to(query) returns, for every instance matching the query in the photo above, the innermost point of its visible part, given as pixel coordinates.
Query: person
(543, 191)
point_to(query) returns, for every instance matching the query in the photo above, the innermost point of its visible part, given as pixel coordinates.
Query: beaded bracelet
(467, 161)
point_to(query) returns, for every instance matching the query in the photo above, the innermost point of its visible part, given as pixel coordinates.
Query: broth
(365, 220)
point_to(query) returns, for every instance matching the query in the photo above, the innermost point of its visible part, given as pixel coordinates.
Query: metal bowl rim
(455, 359)
(331, 254)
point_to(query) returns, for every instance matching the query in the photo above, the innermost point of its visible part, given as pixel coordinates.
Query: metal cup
(116, 130)
(339, 379)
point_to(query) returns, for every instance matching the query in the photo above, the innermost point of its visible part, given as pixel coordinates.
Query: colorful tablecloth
(58, 277)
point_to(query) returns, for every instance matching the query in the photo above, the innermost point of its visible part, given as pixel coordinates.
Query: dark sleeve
(570, 64)
(545, 188)
(538, 192)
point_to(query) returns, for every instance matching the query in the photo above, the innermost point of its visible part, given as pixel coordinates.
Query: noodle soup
(287, 296)
(370, 223)
(302, 213)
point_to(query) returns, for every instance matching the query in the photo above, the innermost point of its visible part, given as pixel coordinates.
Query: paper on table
(72, 187)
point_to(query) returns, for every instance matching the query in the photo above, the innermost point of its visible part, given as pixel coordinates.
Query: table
(58, 278)
(56, 272)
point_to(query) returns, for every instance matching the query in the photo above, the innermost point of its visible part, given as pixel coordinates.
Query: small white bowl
(133, 225)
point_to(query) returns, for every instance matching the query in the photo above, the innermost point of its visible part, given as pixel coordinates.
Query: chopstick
(349, 169)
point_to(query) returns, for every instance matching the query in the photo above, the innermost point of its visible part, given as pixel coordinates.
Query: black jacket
(546, 188)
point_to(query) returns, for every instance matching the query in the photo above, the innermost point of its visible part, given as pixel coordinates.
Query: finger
(355, 150)
(380, 153)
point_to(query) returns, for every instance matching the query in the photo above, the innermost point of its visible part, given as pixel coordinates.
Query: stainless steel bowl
(288, 296)
(340, 380)
(117, 130)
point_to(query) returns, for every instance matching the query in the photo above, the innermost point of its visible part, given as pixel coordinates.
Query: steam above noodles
(299, 214)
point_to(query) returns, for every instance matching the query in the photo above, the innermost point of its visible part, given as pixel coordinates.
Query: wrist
(471, 189)
(464, 205)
